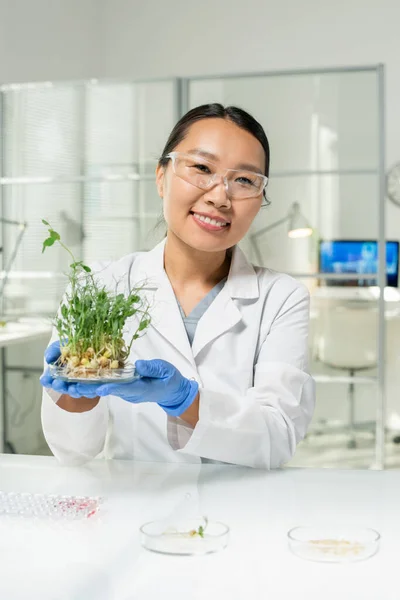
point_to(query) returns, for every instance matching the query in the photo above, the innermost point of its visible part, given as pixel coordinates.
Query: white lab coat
(249, 356)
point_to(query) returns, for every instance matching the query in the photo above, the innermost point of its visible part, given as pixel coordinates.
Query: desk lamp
(298, 227)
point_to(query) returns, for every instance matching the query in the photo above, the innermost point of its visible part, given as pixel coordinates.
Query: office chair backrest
(347, 337)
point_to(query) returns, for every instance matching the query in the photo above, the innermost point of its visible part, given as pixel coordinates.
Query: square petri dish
(157, 537)
(87, 375)
(337, 544)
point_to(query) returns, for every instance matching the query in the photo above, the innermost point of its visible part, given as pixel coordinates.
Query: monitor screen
(357, 256)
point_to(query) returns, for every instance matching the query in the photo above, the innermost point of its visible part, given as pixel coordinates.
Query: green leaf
(201, 531)
(45, 223)
(86, 268)
(144, 324)
(47, 243)
(54, 235)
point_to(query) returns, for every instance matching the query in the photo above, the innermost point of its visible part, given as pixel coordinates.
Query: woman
(224, 362)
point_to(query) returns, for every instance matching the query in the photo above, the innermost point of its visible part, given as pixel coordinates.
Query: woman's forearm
(77, 405)
(191, 415)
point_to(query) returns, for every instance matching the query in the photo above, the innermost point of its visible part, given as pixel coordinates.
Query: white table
(101, 559)
(16, 332)
(23, 330)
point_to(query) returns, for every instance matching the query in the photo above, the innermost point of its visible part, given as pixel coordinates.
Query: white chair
(346, 339)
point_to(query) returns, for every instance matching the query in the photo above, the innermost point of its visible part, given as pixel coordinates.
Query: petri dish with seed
(333, 543)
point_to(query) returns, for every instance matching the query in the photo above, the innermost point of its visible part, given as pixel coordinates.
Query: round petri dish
(86, 375)
(156, 537)
(333, 543)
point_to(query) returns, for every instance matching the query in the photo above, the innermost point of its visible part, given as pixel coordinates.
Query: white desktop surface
(23, 330)
(102, 559)
(372, 294)
(324, 298)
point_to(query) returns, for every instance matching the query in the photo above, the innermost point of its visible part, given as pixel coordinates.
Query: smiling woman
(215, 166)
(223, 366)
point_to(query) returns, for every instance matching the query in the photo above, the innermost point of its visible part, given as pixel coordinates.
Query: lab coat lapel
(167, 320)
(224, 312)
(220, 316)
(164, 310)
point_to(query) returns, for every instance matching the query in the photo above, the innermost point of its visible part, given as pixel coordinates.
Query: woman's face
(230, 147)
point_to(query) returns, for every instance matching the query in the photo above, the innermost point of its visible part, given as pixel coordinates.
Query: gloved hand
(160, 382)
(52, 352)
(75, 390)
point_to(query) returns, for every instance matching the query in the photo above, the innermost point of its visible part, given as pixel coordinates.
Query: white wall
(160, 39)
(49, 39)
(73, 39)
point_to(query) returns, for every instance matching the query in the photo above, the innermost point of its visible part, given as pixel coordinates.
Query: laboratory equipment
(48, 506)
(333, 543)
(99, 375)
(191, 537)
(358, 257)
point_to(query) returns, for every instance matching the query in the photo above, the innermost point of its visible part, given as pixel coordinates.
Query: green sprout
(200, 531)
(91, 320)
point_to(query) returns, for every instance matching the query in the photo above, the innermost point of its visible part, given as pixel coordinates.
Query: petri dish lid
(157, 537)
(87, 375)
(339, 543)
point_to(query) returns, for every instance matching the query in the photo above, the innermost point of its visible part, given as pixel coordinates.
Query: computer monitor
(357, 256)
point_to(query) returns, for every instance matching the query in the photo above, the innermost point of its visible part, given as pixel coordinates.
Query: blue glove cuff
(178, 409)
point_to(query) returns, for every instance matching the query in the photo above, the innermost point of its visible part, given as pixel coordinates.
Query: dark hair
(238, 116)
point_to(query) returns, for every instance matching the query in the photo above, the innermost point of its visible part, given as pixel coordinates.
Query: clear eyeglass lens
(245, 184)
(202, 174)
(195, 171)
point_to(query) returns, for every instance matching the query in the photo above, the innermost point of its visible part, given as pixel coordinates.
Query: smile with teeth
(214, 222)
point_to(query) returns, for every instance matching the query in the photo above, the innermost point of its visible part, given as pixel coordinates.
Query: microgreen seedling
(200, 531)
(91, 320)
(192, 533)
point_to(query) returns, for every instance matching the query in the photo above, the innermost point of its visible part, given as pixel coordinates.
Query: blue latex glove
(52, 352)
(159, 382)
(75, 390)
